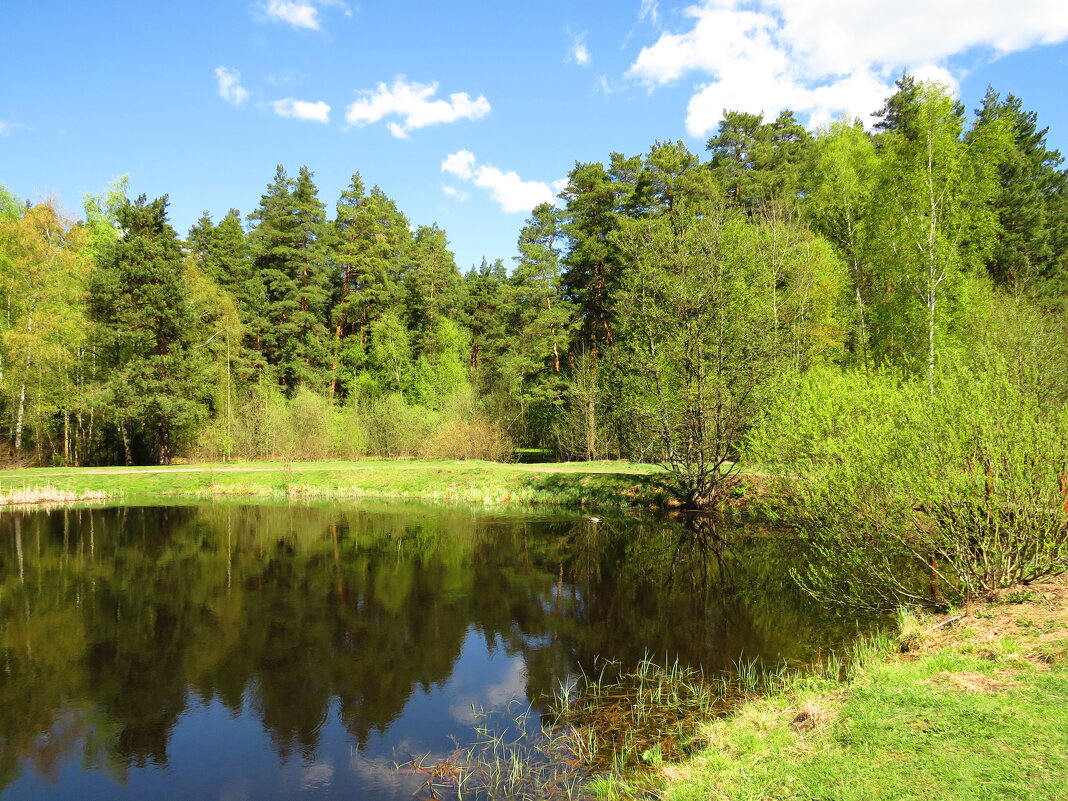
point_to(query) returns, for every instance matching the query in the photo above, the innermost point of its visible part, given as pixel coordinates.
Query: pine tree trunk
(591, 429)
(127, 458)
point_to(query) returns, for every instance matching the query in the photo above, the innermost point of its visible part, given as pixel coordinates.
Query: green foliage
(580, 430)
(1030, 199)
(933, 232)
(911, 493)
(758, 162)
(894, 249)
(592, 264)
(842, 171)
(371, 240)
(43, 278)
(11, 207)
(396, 428)
(154, 389)
(698, 358)
(289, 247)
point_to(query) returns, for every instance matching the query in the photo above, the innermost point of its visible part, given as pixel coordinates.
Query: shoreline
(574, 485)
(966, 705)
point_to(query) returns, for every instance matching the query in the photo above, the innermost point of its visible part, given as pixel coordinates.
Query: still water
(222, 651)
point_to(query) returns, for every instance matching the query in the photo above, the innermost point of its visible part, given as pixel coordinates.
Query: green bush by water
(908, 491)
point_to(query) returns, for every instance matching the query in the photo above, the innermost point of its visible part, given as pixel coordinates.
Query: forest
(773, 298)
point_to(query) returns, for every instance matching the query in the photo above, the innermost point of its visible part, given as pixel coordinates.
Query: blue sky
(467, 114)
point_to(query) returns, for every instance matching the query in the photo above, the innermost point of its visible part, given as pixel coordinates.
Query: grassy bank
(974, 710)
(575, 485)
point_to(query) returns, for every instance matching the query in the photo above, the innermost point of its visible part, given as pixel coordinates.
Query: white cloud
(579, 53)
(297, 13)
(650, 10)
(825, 57)
(302, 109)
(414, 103)
(301, 13)
(230, 88)
(507, 189)
(5, 128)
(461, 164)
(452, 191)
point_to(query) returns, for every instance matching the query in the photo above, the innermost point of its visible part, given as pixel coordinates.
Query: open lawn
(973, 710)
(574, 484)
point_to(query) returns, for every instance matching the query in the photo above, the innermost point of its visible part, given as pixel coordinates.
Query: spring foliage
(658, 312)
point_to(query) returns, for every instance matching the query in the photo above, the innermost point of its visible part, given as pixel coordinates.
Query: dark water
(266, 652)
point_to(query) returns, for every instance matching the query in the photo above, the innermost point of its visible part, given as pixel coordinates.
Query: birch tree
(935, 220)
(43, 273)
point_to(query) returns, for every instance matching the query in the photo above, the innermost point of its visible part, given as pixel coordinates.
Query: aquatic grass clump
(600, 735)
(622, 719)
(609, 733)
(529, 761)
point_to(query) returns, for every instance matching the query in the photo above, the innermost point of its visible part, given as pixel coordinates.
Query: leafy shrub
(911, 492)
(349, 434)
(396, 428)
(477, 437)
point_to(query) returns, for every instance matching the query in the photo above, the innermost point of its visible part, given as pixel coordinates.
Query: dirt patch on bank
(970, 682)
(1029, 622)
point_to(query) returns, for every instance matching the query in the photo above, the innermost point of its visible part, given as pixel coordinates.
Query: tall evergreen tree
(1031, 199)
(291, 259)
(673, 174)
(543, 314)
(153, 390)
(371, 241)
(592, 263)
(486, 311)
(431, 279)
(360, 273)
(759, 163)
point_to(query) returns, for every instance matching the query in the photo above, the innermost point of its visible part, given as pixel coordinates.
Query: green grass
(574, 485)
(979, 714)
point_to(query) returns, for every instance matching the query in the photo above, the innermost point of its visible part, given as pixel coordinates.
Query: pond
(243, 651)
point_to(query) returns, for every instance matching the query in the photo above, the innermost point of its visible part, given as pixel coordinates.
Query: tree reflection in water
(321, 622)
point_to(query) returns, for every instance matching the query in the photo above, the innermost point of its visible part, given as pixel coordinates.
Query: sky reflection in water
(271, 652)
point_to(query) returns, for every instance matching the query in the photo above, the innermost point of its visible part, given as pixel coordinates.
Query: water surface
(222, 651)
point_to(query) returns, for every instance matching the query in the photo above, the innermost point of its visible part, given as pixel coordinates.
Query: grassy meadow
(574, 485)
(977, 709)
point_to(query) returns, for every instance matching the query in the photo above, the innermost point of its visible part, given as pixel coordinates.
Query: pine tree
(592, 264)
(1030, 201)
(371, 244)
(486, 309)
(371, 238)
(543, 316)
(431, 279)
(291, 259)
(758, 163)
(153, 385)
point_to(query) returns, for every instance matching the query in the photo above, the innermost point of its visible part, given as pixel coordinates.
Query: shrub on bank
(310, 427)
(914, 492)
